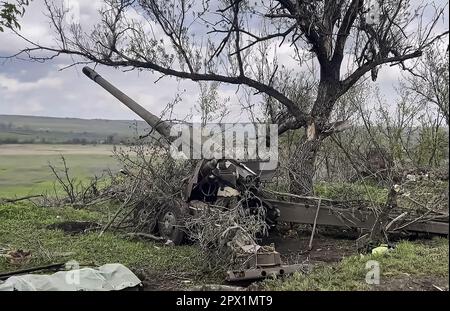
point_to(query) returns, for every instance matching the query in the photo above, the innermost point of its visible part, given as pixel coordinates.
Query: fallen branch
(412, 222)
(119, 210)
(217, 287)
(395, 220)
(146, 236)
(297, 196)
(423, 205)
(56, 266)
(15, 200)
(314, 225)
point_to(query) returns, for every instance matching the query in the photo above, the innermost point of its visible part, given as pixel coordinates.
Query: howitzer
(161, 126)
(222, 181)
(212, 179)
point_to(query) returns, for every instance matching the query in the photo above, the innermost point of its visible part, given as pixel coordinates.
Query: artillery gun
(212, 180)
(226, 180)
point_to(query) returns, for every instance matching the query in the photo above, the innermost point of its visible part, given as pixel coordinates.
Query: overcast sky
(41, 89)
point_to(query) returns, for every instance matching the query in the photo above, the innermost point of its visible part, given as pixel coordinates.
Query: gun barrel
(161, 126)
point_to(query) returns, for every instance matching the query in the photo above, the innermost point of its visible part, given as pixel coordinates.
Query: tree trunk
(378, 234)
(302, 167)
(302, 164)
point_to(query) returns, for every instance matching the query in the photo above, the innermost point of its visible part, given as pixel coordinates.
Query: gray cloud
(42, 89)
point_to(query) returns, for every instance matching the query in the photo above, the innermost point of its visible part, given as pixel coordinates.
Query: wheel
(171, 222)
(145, 219)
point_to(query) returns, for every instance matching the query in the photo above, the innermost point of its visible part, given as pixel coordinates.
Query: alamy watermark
(373, 275)
(239, 141)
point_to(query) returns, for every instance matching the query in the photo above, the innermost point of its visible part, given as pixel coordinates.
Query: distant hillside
(31, 129)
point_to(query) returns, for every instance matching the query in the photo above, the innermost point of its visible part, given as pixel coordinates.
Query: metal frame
(303, 213)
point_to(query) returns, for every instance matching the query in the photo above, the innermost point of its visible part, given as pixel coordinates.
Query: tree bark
(302, 164)
(301, 167)
(378, 234)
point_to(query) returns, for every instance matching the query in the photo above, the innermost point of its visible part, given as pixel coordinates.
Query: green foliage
(351, 192)
(432, 147)
(411, 258)
(23, 226)
(424, 193)
(10, 12)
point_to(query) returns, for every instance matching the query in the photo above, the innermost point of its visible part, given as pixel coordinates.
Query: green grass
(28, 129)
(69, 125)
(412, 258)
(351, 191)
(23, 226)
(30, 174)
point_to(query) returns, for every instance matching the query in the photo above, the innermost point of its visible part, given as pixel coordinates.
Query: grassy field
(24, 226)
(411, 265)
(67, 125)
(26, 129)
(24, 169)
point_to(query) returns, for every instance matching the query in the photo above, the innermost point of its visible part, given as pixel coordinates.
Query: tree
(10, 12)
(230, 41)
(430, 78)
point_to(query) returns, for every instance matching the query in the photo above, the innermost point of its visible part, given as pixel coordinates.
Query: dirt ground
(165, 281)
(292, 249)
(326, 250)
